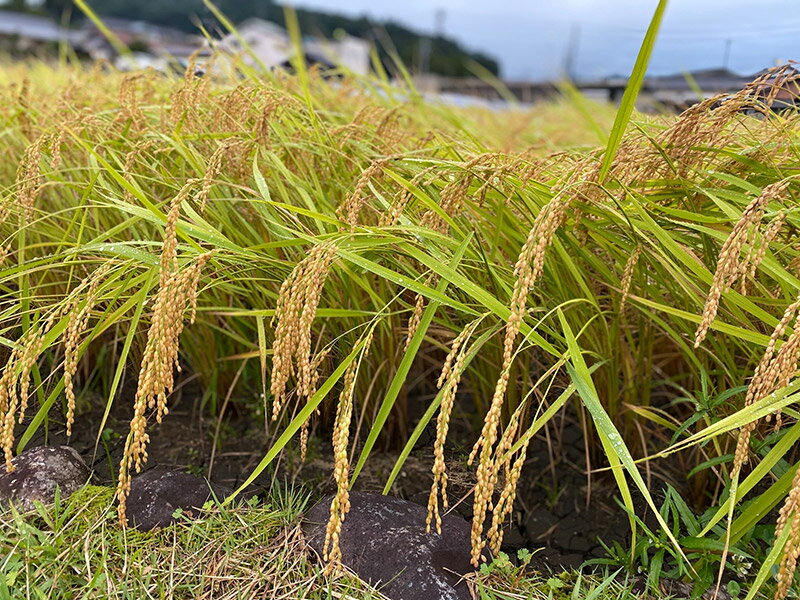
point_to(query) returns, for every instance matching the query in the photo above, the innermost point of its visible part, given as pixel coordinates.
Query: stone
(383, 541)
(156, 494)
(38, 472)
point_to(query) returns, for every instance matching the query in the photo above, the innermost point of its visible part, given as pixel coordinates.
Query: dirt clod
(383, 541)
(158, 493)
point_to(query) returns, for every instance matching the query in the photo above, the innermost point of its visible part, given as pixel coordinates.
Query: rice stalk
(177, 293)
(627, 278)
(78, 320)
(296, 308)
(15, 382)
(340, 504)
(728, 268)
(29, 178)
(448, 382)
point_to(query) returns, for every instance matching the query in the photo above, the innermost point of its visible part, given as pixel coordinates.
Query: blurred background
(452, 47)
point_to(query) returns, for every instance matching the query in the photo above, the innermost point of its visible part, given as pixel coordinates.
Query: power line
(665, 37)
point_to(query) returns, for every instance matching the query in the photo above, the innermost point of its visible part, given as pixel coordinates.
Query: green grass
(75, 549)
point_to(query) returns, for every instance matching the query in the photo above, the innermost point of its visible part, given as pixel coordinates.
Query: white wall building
(267, 42)
(260, 41)
(349, 52)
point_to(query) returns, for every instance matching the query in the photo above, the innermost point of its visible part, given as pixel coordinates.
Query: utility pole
(426, 43)
(439, 19)
(727, 55)
(571, 54)
(424, 54)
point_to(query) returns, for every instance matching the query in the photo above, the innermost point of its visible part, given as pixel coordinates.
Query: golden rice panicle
(29, 178)
(304, 438)
(212, 172)
(304, 430)
(177, 293)
(780, 78)
(340, 504)
(267, 111)
(771, 373)
(25, 112)
(627, 277)
(230, 114)
(388, 132)
(527, 270)
(403, 197)
(6, 204)
(130, 159)
(489, 467)
(130, 110)
(297, 306)
(728, 268)
(186, 99)
(349, 210)
(452, 196)
(286, 333)
(505, 503)
(698, 129)
(56, 142)
(757, 252)
(415, 319)
(156, 376)
(15, 382)
(322, 257)
(448, 383)
(169, 249)
(785, 366)
(789, 516)
(78, 320)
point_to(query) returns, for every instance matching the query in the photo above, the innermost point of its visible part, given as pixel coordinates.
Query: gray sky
(530, 38)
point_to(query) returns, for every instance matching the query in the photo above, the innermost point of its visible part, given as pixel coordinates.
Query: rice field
(331, 250)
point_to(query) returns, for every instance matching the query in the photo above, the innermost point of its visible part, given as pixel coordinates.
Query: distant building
(678, 92)
(783, 93)
(21, 32)
(347, 51)
(263, 43)
(258, 41)
(162, 43)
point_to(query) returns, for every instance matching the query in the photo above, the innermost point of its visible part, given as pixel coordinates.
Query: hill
(447, 57)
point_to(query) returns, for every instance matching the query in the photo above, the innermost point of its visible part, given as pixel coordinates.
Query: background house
(21, 32)
(347, 51)
(259, 42)
(159, 42)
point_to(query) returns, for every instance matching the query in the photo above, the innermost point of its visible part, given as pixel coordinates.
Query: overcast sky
(530, 37)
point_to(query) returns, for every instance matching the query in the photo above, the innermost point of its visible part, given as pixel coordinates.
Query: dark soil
(556, 513)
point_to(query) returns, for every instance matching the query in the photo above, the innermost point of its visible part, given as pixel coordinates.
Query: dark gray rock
(37, 474)
(156, 495)
(383, 541)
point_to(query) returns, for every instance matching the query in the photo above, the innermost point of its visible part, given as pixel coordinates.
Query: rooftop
(29, 26)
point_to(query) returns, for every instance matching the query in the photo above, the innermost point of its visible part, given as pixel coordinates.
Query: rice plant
(322, 240)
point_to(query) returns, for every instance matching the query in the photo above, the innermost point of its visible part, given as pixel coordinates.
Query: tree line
(443, 55)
